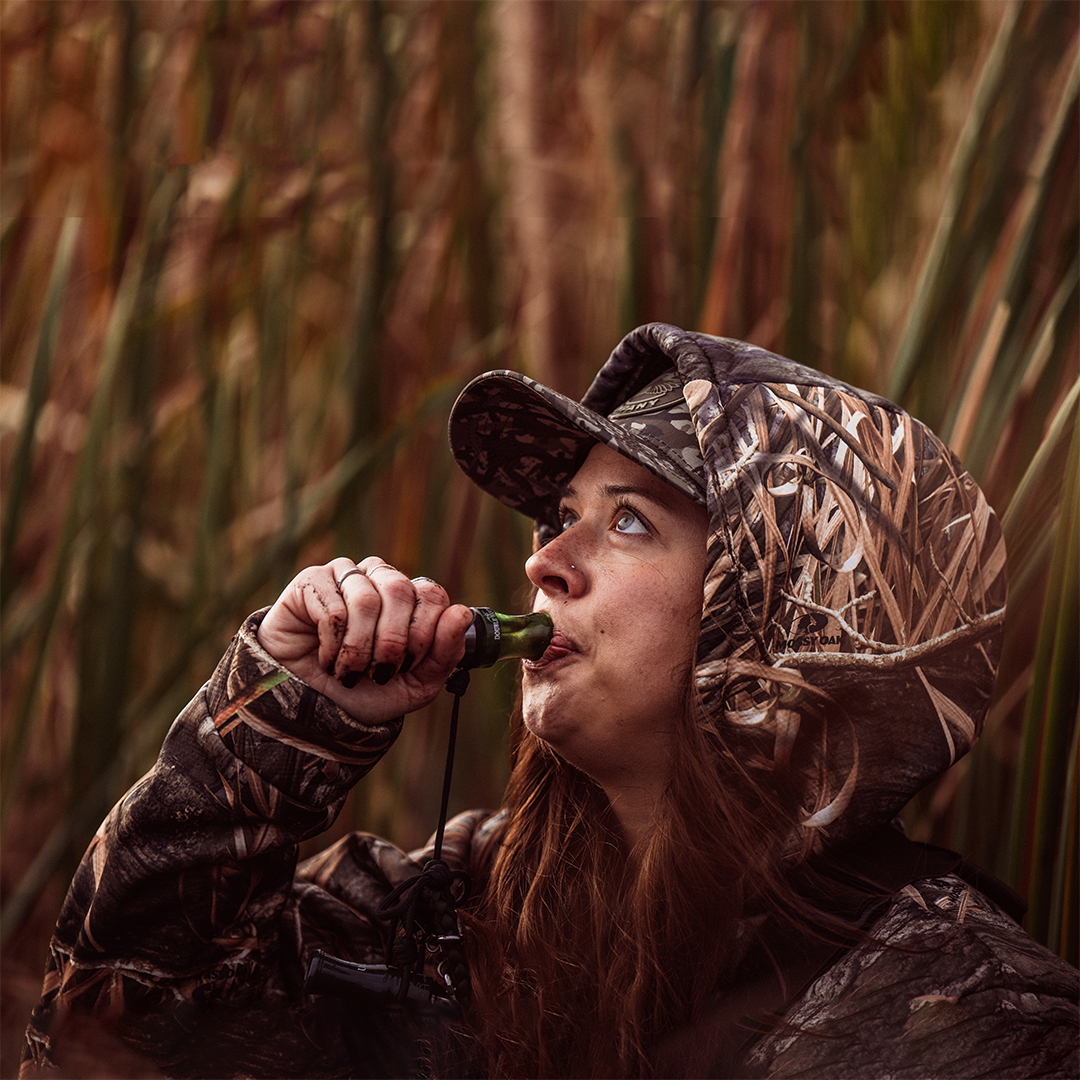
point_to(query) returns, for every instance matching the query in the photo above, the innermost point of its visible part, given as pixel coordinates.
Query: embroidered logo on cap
(659, 396)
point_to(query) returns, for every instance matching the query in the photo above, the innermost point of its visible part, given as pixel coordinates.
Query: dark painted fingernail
(383, 673)
(350, 679)
(406, 663)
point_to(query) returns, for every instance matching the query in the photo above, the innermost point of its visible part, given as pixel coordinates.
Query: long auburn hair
(585, 955)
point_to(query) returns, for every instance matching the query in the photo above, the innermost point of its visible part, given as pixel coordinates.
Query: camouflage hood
(854, 600)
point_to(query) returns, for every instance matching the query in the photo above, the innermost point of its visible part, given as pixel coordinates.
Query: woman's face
(623, 583)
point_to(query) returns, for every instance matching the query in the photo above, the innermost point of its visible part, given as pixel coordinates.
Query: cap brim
(522, 442)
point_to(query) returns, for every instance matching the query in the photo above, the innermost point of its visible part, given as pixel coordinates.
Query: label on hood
(815, 632)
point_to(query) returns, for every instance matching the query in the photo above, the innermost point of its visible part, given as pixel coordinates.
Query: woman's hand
(371, 640)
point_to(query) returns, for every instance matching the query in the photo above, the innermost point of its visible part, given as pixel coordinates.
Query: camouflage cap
(522, 441)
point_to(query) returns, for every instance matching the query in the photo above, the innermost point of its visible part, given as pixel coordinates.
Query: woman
(777, 604)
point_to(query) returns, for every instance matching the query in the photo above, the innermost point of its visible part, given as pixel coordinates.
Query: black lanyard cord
(423, 909)
(457, 684)
(424, 906)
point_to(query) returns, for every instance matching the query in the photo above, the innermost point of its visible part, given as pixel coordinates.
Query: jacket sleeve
(184, 932)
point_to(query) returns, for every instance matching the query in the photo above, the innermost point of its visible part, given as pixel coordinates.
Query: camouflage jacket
(181, 946)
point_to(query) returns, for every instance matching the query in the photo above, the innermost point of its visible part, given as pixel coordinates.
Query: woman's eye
(629, 522)
(566, 519)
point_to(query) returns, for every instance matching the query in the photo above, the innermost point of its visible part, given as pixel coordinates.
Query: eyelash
(621, 507)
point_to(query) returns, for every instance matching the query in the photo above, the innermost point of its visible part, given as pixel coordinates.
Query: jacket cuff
(286, 732)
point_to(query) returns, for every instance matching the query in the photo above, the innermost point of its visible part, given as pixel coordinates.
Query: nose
(556, 569)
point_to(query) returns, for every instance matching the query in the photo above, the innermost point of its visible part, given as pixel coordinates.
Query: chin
(535, 725)
(546, 728)
(556, 741)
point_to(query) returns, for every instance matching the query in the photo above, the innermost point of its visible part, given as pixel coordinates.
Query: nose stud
(572, 566)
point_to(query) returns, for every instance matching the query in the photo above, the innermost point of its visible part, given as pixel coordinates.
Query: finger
(431, 601)
(342, 578)
(448, 644)
(328, 609)
(398, 602)
(363, 604)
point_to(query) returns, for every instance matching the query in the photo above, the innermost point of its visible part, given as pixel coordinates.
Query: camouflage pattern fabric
(188, 927)
(855, 599)
(948, 988)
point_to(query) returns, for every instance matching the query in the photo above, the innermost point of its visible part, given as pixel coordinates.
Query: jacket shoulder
(949, 986)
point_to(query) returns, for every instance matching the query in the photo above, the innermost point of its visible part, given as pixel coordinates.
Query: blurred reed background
(251, 250)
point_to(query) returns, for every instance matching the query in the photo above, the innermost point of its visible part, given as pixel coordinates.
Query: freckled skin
(624, 582)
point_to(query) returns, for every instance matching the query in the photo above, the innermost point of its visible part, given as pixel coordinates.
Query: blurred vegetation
(251, 250)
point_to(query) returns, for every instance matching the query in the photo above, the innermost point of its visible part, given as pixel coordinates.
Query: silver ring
(348, 573)
(417, 580)
(379, 566)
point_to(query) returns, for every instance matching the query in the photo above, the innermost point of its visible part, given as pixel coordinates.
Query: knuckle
(398, 588)
(367, 602)
(431, 592)
(331, 599)
(353, 650)
(420, 632)
(393, 639)
(371, 563)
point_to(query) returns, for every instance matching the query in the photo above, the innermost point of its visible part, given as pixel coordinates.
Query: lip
(561, 647)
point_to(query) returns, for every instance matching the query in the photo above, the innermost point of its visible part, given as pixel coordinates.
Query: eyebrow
(616, 491)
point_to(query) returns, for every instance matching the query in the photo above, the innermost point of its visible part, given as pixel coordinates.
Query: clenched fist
(363, 634)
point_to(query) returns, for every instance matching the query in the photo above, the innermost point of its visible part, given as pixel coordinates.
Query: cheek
(669, 615)
(647, 654)
(670, 652)
(677, 648)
